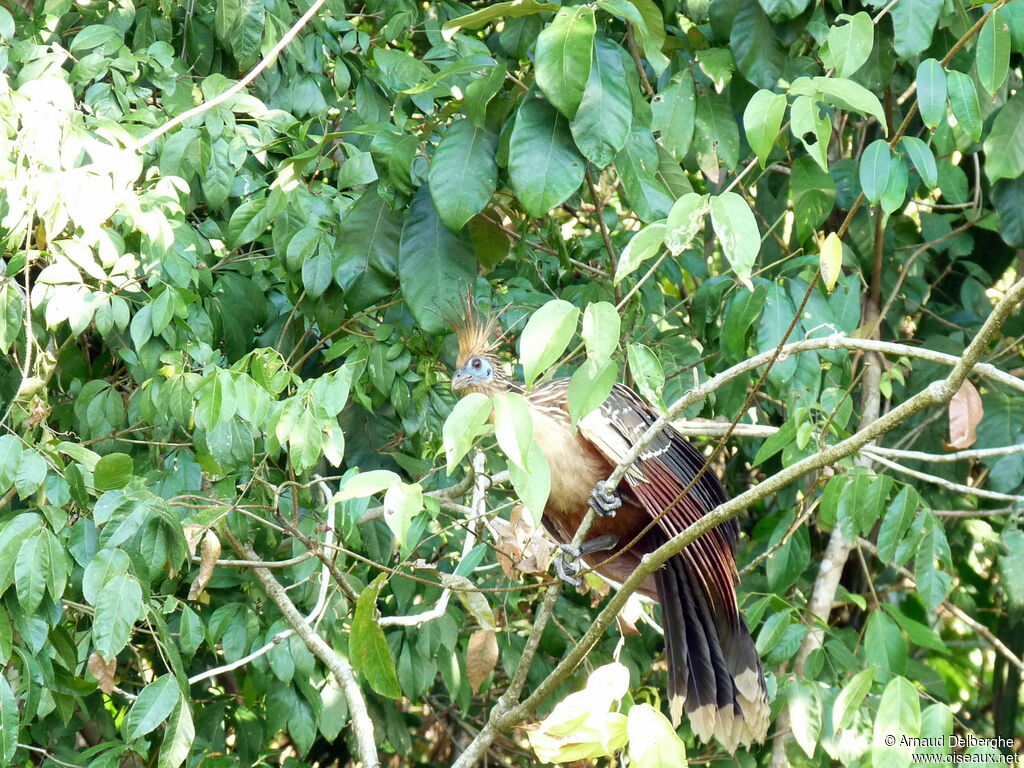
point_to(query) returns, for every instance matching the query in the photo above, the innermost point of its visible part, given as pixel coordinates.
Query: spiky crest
(475, 331)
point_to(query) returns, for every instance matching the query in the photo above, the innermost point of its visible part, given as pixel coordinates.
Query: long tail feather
(715, 673)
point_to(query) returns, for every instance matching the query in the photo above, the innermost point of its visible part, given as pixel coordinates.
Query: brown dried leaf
(103, 671)
(207, 562)
(965, 413)
(193, 535)
(481, 656)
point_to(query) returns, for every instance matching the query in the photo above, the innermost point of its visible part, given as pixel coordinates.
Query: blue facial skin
(477, 372)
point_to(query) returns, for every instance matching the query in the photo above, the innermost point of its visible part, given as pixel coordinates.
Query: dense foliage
(226, 338)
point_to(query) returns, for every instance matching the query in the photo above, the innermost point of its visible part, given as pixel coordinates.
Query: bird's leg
(567, 563)
(604, 500)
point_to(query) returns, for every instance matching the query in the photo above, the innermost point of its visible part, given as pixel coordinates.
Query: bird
(715, 674)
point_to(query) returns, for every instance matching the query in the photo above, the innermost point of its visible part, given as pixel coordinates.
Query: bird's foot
(604, 501)
(568, 565)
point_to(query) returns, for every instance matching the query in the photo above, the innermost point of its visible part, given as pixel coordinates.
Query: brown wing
(658, 478)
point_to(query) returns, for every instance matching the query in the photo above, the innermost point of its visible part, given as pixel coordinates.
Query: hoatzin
(714, 671)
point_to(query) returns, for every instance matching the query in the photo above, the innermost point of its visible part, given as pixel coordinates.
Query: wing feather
(657, 479)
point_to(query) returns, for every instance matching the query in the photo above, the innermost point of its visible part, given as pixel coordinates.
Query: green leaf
(10, 460)
(9, 725)
(875, 166)
(463, 173)
(563, 57)
(884, 645)
(154, 705)
(547, 334)
(913, 22)
(849, 44)
(992, 54)
(317, 273)
(674, 112)
(932, 555)
(1011, 566)
(463, 426)
(755, 46)
(861, 502)
(366, 484)
(897, 522)
(931, 92)
(762, 121)
(532, 486)
(402, 502)
(367, 649)
(511, 10)
(963, 99)
(850, 698)
(435, 266)
(178, 737)
(513, 426)
(813, 127)
(481, 91)
(1004, 146)
(253, 217)
(924, 161)
(31, 474)
(842, 93)
(31, 572)
(647, 372)
(745, 307)
(776, 442)
(117, 607)
(653, 742)
(589, 387)
(544, 165)
(898, 718)
(600, 330)
(113, 471)
(638, 165)
(920, 634)
(644, 245)
(814, 196)
(685, 220)
(605, 115)
(805, 714)
(716, 136)
(737, 231)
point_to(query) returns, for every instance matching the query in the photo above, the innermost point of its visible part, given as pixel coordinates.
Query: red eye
(475, 363)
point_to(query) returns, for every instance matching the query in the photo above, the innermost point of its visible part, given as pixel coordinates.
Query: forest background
(244, 522)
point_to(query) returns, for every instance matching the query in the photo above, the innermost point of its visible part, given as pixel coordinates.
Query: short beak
(461, 379)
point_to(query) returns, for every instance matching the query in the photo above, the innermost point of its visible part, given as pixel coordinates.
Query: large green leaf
(674, 112)
(963, 100)
(366, 251)
(637, 165)
(9, 724)
(814, 196)
(367, 648)
(756, 46)
(643, 245)
(463, 426)
(154, 705)
(1004, 146)
(600, 330)
(544, 165)
(850, 40)
(117, 607)
(463, 174)
(545, 337)
(716, 136)
(605, 115)
(931, 92)
(762, 121)
(435, 266)
(913, 22)
(897, 724)
(737, 231)
(512, 10)
(992, 55)
(875, 167)
(563, 57)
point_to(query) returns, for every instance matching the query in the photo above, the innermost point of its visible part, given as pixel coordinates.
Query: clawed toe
(568, 566)
(604, 501)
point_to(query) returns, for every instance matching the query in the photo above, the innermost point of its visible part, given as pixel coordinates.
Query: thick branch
(340, 668)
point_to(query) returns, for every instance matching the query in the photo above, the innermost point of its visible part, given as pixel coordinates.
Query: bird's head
(476, 367)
